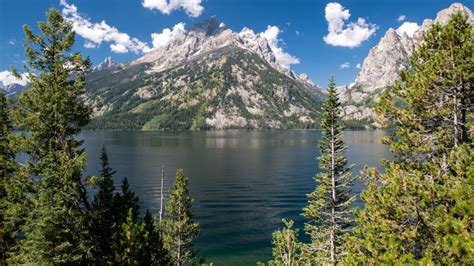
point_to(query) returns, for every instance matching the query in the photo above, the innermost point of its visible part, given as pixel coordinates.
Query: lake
(243, 182)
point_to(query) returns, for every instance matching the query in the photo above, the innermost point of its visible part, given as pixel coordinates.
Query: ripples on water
(243, 182)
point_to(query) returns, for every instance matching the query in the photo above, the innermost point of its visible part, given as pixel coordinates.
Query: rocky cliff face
(383, 64)
(108, 63)
(205, 78)
(208, 36)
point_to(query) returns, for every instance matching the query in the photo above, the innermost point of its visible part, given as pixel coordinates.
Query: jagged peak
(209, 26)
(443, 15)
(107, 63)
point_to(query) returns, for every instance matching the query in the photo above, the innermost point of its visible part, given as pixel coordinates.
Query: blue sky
(302, 25)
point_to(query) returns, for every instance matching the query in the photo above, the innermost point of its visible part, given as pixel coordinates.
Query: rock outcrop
(382, 66)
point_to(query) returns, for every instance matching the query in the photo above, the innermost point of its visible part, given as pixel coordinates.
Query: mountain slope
(206, 78)
(382, 66)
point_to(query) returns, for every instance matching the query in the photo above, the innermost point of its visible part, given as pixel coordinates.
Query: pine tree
(286, 248)
(132, 241)
(328, 211)
(104, 221)
(125, 201)
(52, 111)
(180, 229)
(156, 254)
(421, 208)
(7, 167)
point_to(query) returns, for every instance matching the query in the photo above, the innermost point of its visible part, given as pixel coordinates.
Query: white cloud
(358, 66)
(282, 57)
(97, 33)
(297, 33)
(345, 65)
(88, 44)
(192, 7)
(7, 78)
(401, 18)
(409, 28)
(160, 39)
(118, 48)
(340, 33)
(12, 41)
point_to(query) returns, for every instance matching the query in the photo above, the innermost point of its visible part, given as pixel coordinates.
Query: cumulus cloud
(160, 39)
(409, 28)
(88, 44)
(358, 66)
(97, 33)
(192, 7)
(7, 78)
(282, 57)
(344, 65)
(401, 18)
(343, 33)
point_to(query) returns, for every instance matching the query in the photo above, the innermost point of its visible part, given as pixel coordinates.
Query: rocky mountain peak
(206, 37)
(108, 63)
(384, 62)
(443, 15)
(208, 27)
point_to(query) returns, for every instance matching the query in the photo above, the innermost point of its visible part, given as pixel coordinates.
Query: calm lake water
(243, 182)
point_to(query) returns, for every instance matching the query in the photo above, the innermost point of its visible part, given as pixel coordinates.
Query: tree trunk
(161, 193)
(333, 203)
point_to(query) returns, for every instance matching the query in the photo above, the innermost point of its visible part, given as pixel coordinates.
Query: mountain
(382, 66)
(11, 85)
(108, 63)
(207, 77)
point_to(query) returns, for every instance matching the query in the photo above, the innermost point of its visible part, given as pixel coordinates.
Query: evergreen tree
(125, 201)
(7, 155)
(104, 223)
(286, 249)
(133, 241)
(180, 228)
(328, 211)
(7, 167)
(52, 112)
(156, 254)
(421, 208)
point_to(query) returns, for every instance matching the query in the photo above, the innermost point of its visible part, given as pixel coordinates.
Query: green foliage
(421, 208)
(125, 201)
(8, 166)
(52, 112)
(133, 242)
(180, 228)
(155, 254)
(104, 222)
(328, 211)
(286, 248)
(177, 106)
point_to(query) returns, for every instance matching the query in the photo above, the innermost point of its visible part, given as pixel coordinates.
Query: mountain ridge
(207, 77)
(382, 66)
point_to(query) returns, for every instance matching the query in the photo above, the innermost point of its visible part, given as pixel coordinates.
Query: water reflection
(244, 182)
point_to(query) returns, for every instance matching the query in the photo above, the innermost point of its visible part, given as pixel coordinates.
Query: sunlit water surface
(243, 182)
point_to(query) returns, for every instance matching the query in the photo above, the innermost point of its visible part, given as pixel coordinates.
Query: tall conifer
(328, 211)
(180, 228)
(132, 241)
(156, 254)
(52, 111)
(421, 208)
(8, 228)
(104, 223)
